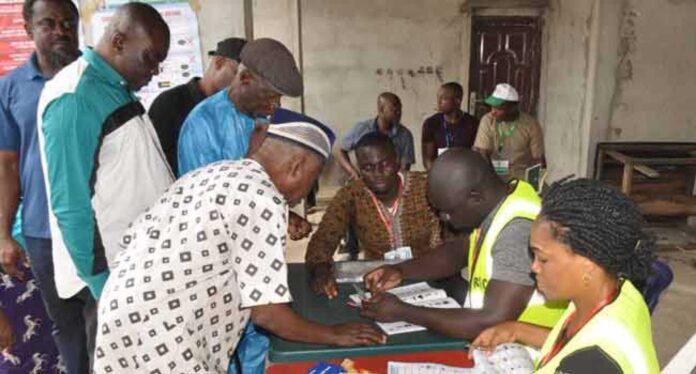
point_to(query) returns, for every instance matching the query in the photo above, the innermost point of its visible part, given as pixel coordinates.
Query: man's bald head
(135, 42)
(463, 186)
(459, 169)
(132, 16)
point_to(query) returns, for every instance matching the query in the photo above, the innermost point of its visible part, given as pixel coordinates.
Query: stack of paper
(419, 294)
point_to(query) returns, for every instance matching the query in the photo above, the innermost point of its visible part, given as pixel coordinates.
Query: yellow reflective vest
(523, 202)
(621, 329)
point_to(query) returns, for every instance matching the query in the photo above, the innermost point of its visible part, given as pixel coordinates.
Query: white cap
(503, 93)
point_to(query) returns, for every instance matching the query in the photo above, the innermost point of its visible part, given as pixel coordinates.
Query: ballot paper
(505, 359)
(424, 368)
(420, 294)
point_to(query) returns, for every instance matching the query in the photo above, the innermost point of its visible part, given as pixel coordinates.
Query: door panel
(505, 50)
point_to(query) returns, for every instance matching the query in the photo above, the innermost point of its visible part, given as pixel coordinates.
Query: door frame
(539, 11)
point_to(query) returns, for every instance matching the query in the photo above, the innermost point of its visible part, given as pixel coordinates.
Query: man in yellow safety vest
(464, 189)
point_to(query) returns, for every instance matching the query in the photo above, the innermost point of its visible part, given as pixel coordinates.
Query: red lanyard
(393, 209)
(564, 336)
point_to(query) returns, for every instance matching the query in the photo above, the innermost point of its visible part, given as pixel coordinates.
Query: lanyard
(504, 132)
(449, 138)
(565, 335)
(392, 210)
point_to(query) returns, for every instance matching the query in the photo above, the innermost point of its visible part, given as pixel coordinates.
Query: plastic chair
(658, 281)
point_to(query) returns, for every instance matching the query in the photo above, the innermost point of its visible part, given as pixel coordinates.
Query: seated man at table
(388, 209)
(468, 194)
(208, 256)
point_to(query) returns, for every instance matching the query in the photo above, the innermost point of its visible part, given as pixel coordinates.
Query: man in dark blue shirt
(52, 25)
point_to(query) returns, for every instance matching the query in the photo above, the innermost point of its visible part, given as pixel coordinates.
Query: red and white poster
(15, 45)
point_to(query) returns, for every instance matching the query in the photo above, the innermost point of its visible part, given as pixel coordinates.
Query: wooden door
(505, 50)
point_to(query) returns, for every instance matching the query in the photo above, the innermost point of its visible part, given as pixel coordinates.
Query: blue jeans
(74, 319)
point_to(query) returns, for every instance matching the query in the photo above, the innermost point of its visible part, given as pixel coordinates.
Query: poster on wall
(184, 59)
(15, 45)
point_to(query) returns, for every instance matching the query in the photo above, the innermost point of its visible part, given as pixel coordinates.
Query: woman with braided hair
(589, 247)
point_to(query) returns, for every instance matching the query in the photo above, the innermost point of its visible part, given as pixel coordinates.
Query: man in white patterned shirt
(208, 256)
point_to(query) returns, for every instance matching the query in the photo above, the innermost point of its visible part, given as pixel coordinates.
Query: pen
(361, 293)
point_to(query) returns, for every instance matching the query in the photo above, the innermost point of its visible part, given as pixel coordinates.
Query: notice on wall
(184, 59)
(15, 45)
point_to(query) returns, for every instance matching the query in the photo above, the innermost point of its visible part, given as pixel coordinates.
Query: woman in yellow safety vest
(589, 247)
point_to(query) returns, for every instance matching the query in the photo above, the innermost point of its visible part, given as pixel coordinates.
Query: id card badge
(441, 151)
(401, 253)
(501, 166)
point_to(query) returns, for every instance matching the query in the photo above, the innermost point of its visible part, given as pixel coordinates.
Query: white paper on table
(394, 328)
(505, 359)
(424, 368)
(412, 293)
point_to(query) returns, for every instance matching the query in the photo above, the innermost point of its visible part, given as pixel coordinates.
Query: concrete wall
(611, 69)
(616, 71)
(355, 49)
(656, 82)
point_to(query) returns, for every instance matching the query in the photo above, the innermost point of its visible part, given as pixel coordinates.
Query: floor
(674, 320)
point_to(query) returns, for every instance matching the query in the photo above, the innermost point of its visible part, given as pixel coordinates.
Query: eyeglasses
(50, 24)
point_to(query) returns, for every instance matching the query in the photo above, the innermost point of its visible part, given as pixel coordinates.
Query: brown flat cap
(271, 60)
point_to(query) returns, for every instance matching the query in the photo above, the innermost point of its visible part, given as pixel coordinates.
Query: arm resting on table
(503, 301)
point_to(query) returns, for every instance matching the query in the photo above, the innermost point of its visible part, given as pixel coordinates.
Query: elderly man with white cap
(209, 256)
(510, 139)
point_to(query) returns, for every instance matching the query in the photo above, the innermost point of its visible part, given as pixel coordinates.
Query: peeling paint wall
(611, 69)
(564, 86)
(656, 81)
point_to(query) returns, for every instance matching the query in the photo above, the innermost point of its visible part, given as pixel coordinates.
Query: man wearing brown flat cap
(170, 108)
(220, 127)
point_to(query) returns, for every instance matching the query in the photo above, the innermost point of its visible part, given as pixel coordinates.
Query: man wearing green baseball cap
(510, 139)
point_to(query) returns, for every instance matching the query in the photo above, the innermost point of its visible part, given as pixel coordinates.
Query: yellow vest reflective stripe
(622, 330)
(523, 202)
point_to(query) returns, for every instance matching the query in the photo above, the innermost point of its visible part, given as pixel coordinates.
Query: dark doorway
(505, 50)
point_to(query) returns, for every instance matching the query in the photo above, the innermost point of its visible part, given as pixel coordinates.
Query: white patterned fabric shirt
(178, 299)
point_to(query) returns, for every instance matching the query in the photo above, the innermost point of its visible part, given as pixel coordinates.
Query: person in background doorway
(510, 139)
(450, 127)
(389, 210)
(52, 25)
(387, 122)
(170, 108)
(590, 247)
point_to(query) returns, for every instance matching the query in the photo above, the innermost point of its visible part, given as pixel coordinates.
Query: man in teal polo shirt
(102, 162)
